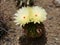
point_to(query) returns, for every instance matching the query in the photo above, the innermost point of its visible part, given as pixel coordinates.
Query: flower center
(24, 17)
(36, 15)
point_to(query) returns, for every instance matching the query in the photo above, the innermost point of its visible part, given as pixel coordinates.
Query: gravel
(52, 24)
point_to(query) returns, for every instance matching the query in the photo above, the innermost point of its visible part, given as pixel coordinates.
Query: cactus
(22, 3)
(34, 30)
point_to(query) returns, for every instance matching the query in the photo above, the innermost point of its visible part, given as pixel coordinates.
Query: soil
(13, 37)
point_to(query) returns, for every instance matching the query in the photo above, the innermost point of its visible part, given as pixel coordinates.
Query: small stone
(56, 39)
(57, 3)
(50, 18)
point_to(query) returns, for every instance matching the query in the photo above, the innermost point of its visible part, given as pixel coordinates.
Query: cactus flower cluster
(28, 14)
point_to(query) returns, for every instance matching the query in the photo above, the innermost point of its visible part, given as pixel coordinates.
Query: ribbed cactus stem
(22, 3)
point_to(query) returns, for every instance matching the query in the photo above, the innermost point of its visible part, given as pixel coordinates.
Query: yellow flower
(30, 14)
(22, 16)
(38, 14)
